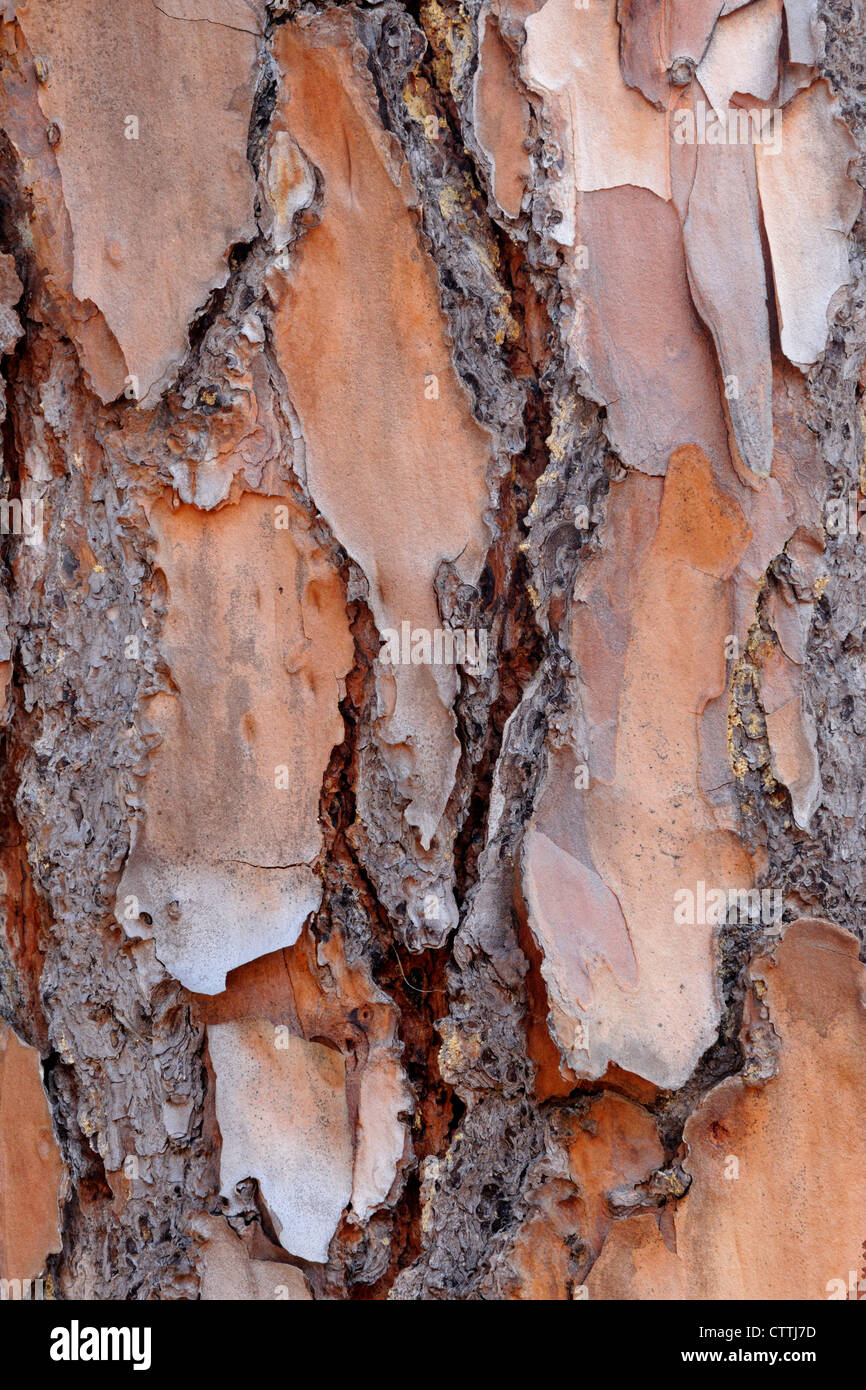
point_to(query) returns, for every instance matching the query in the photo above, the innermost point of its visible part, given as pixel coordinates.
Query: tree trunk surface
(431, 638)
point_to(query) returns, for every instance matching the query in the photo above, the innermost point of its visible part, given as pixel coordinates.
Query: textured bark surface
(431, 640)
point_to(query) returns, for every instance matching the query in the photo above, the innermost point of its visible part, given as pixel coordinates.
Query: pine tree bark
(432, 830)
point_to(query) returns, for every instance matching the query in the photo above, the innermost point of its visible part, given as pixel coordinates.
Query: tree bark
(432, 817)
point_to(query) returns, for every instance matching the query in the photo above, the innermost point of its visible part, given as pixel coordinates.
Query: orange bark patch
(653, 1005)
(257, 643)
(776, 1207)
(399, 474)
(30, 1164)
(151, 111)
(502, 117)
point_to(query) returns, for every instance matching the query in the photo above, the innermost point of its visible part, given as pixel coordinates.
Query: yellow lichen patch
(754, 725)
(451, 40)
(418, 101)
(449, 201)
(25, 232)
(432, 1169)
(511, 328)
(674, 1184)
(547, 477)
(459, 1051)
(560, 429)
(487, 255)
